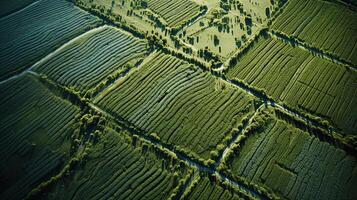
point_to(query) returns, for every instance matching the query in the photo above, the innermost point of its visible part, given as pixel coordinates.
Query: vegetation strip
(237, 135)
(74, 98)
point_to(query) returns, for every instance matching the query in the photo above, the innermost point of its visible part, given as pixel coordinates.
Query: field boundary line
(231, 143)
(193, 164)
(74, 99)
(118, 80)
(73, 40)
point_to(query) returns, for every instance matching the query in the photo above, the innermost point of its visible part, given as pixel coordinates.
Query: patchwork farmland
(179, 99)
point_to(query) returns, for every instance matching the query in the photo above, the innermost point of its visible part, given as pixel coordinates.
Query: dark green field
(178, 99)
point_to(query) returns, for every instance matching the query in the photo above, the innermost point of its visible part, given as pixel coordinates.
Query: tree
(215, 40)
(238, 43)
(267, 12)
(248, 20)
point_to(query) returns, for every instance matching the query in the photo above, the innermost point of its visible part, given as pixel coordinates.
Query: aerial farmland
(178, 99)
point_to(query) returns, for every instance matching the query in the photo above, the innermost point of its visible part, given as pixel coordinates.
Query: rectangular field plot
(179, 102)
(35, 140)
(326, 25)
(174, 12)
(293, 163)
(86, 61)
(36, 31)
(301, 81)
(118, 168)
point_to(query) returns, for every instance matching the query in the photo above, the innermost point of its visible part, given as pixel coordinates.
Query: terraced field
(36, 129)
(178, 99)
(120, 169)
(179, 103)
(175, 12)
(28, 35)
(87, 60)
(293, 163)
(323, 24)
(301, 80)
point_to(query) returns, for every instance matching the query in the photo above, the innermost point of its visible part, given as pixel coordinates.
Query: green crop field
(36, 128)
(122, 168)
(28, 35)
(323, 24)
(89, 59)
(178, 99)
(301, 80)
(291, 161)
(179, 103)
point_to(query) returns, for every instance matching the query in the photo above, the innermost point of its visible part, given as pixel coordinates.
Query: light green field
(230, 39)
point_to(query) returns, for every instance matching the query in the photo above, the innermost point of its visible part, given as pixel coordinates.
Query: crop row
(86, 61)
(323, 24)
(179, 104)
(175, 12)
(209, 189)
(35, 137)
(34, 32)
(301, 81)
(293, 163)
